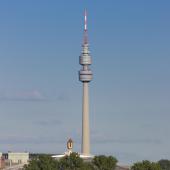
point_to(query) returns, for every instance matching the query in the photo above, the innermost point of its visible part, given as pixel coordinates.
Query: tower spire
(85, 41)
(85, 20)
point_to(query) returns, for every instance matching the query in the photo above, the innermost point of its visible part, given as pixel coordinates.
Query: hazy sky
(40, 95)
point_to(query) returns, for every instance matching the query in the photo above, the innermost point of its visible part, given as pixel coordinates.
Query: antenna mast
(85, 41)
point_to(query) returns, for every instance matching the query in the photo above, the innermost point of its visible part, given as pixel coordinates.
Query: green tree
(87, 166)
(104, 163)
(164, 164)
(146, 165)
(42, 162)
(72, 162)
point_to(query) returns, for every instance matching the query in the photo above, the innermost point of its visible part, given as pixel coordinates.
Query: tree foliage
(146, 165)
(104, 163)
(72, 162)
(164, 164)
(42, 162)
(88, 166)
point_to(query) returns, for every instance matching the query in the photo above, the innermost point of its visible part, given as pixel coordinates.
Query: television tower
(85, 76)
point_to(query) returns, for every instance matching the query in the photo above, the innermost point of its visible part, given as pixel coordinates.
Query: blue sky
(40, 95)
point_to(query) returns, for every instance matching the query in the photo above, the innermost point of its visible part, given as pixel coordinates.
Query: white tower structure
(85, 76)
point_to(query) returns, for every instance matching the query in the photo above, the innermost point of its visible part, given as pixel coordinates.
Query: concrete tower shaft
(85, 76)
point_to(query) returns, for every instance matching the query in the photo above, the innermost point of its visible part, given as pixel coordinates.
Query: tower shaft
(85, 121)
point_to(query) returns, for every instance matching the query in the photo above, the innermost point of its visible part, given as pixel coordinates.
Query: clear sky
(40, 95)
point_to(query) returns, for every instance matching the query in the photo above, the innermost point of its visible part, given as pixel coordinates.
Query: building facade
(17, 157)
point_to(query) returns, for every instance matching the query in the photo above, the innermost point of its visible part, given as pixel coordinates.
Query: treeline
(147, 165)
(74, 162)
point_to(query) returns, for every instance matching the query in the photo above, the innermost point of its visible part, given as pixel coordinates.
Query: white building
(18, 157)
